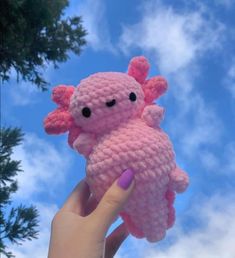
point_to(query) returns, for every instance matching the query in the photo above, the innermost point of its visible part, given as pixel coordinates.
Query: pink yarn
(113, 122)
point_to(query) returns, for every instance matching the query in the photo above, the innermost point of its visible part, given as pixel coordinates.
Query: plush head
(102, 101)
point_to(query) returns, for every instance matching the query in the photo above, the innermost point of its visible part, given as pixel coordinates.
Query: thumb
(112, 202)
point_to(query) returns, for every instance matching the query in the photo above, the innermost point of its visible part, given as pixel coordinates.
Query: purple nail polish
(125, 179)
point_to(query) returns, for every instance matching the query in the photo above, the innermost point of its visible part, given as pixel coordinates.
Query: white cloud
(229, 80)
(174, 39)
(197, 125)
(209, 160)
(44, 166)
(230, 158)
(224, 163)
(23, 93)
(213, 237)
(93, 14)
(37, 248)
(225, 3)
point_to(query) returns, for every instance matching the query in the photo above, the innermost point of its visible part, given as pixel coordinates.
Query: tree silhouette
(33, 34)
(16, 223)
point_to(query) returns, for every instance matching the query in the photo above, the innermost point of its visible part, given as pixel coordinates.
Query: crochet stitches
(113, 121)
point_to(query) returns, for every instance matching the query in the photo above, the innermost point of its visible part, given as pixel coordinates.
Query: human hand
(80, 226)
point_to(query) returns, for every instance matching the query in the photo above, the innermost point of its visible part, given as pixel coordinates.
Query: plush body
(112, 120)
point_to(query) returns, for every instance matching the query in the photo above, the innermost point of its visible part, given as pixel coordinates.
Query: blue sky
(191, 43)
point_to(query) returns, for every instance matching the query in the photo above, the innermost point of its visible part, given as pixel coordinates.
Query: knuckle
(112, 201)
(56, 219)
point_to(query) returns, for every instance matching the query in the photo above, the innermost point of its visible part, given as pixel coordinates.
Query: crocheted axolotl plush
(112, 120)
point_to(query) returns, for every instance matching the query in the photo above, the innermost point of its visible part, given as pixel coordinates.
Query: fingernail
(125, 179)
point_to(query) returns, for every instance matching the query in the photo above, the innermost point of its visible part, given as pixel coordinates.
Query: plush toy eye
(132, 96)
(86, 112)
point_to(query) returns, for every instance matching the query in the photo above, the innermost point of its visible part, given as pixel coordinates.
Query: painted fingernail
(125, 179)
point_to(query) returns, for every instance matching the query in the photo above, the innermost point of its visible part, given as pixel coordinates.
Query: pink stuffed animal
(112, 120)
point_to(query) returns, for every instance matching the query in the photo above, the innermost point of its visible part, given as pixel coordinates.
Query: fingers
(114, 240)
(77, 200)
(112, 202)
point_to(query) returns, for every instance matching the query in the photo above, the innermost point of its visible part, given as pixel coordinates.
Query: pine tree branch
(20, 223)
(38, 34)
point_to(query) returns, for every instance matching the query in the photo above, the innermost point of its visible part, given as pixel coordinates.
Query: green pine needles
(20, 223)
(34, 34)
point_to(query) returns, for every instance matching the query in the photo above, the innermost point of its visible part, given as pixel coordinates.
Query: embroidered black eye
(132, 96)
(86, 112)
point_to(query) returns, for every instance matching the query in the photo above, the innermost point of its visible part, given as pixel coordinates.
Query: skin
(79, 228)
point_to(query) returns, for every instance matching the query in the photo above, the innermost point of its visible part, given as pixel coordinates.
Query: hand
(80, 226)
